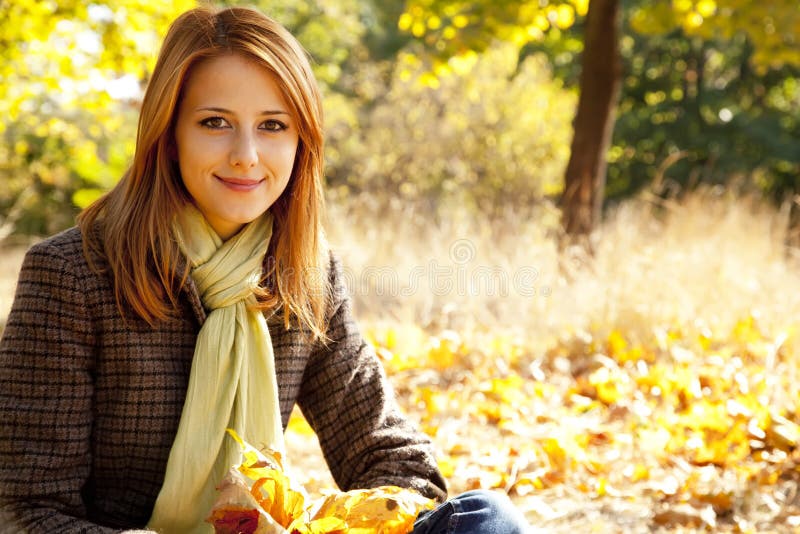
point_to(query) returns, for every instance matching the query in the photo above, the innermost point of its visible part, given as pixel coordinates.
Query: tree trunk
(601, 71)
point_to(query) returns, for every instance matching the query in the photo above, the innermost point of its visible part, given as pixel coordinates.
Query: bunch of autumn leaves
(257, 497)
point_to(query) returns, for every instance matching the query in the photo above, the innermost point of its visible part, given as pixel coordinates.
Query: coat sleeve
(46, 391)
(348, 401)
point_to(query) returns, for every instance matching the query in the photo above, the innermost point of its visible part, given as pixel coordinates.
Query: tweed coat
(90, 401)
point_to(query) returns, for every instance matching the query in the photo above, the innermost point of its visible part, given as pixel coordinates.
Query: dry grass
(703, 263)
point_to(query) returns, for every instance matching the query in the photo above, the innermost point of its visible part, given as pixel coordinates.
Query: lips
(239, 184)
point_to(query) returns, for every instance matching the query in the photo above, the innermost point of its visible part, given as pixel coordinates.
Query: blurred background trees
(762, 39)
(431, 103)
(71, 77)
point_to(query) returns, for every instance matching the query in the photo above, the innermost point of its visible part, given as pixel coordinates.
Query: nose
(244, 152)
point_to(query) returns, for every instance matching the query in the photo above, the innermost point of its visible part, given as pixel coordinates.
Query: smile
(239, 184)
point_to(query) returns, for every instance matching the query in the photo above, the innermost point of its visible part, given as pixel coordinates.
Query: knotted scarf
(232, 382)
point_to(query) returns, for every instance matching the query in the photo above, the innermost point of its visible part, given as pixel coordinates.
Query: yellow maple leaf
(381, 510)
(275, 495)
(259, 494)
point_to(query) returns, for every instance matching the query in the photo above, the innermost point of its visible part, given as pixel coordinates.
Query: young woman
(196, 296)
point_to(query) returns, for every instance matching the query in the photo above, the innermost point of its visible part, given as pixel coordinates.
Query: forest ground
(652, 388)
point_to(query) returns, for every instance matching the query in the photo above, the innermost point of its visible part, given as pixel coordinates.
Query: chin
(247, 219)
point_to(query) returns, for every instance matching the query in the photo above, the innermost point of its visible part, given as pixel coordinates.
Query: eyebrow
(223, 110)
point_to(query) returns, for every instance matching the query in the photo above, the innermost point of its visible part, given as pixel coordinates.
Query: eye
(214, 123)
(273, 125)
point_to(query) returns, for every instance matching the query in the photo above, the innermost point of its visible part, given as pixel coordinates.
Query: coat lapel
(194, 299)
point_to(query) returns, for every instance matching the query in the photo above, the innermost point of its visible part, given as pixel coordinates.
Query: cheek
(289, 155)
(188, 166)
(199, 148)
(285, 179)
(198, 156)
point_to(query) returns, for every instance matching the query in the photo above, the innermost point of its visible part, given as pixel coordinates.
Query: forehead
(232, 79)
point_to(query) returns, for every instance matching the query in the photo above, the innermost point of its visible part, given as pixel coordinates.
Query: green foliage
(422, 102)
(695, 111)
(450, 28)
(489, 136)
(710, 91)
(59, 163)
(71, 72)
(330, 30)
(772, 28)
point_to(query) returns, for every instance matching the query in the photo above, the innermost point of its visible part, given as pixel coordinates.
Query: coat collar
(190, 289)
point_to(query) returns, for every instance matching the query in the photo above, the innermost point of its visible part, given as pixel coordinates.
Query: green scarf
(232, 382)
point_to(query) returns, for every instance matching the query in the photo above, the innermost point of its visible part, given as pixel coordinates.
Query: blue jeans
(478, 511)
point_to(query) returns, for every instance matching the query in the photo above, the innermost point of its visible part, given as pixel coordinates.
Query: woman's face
(236, 141)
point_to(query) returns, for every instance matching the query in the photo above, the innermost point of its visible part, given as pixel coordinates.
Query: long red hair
(131, 225)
